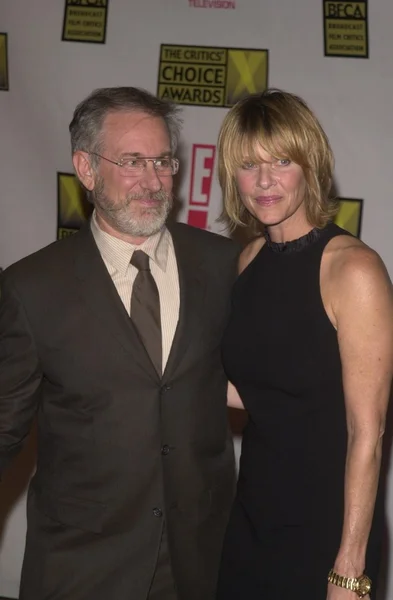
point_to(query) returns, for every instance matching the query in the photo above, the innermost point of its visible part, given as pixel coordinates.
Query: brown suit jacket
(119, 449)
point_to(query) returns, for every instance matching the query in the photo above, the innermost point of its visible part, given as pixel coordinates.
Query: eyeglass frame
(153, 159)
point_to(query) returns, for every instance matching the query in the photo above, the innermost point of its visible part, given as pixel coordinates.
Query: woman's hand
(233, 398)
(336, 593)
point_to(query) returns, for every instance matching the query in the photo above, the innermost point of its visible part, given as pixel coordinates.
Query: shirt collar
(118, 253)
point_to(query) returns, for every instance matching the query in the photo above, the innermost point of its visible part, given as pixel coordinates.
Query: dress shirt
(117, 253)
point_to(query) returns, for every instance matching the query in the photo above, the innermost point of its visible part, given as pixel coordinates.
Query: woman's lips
(267, 200)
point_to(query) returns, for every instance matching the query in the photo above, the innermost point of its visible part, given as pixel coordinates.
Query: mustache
(98, 194)
(160, 196)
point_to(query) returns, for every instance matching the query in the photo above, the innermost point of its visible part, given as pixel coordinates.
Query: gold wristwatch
(360, 585)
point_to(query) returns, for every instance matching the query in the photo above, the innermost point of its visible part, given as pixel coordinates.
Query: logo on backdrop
(3, 62)
(349, 216)
(85, 21)
(225, 4)
(73, 209)
(345, 28)
(202, 167)
(210, 76)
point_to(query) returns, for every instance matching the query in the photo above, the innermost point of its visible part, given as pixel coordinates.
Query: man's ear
(83, 169)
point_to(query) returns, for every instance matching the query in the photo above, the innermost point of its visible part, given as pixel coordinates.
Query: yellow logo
(85, 21)
(73, 209)
(349, 216)
(210, 76)
(345, 10)
(3, 62)
(246, 74)
(346, 28)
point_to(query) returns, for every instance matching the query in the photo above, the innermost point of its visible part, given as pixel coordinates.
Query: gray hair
(86, 125)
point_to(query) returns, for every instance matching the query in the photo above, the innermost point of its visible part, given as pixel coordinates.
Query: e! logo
(202, 167)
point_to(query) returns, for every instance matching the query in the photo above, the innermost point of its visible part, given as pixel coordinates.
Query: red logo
(225, 4)
(202, 167)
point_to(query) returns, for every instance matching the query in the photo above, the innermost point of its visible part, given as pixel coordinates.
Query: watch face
(364, 585)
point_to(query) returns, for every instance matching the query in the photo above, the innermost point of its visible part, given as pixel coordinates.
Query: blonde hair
(285, 127)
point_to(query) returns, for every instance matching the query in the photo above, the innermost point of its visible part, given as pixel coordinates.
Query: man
(112, 337)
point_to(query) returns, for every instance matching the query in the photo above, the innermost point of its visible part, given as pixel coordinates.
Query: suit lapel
(103, 302)
(192, 283)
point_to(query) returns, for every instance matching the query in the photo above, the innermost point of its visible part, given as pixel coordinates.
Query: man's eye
(131, 162)
(284, 162)
(248, 166)
(164, 163)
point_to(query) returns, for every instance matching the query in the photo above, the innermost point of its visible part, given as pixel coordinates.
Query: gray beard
(135, 221)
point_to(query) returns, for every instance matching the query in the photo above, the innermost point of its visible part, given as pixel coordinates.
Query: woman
(309, 350)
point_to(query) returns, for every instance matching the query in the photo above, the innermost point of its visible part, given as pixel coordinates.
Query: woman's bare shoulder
(349, 254)
(354, 271)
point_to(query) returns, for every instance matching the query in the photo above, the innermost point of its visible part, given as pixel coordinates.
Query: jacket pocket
(79, 513)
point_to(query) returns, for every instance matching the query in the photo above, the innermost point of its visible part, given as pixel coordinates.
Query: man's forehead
(130, 118)
(130, 126)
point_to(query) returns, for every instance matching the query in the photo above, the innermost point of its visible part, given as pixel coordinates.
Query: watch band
(360, 585)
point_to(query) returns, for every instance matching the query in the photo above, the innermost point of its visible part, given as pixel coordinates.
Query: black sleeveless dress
(281, 352)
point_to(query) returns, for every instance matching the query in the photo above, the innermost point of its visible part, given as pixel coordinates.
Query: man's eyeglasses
(136, 165)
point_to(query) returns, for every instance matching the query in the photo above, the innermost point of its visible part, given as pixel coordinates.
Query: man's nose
(150, 179)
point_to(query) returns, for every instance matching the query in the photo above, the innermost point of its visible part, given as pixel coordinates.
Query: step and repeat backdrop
(204, 55)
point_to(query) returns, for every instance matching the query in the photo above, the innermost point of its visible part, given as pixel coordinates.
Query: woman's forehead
(261, 150)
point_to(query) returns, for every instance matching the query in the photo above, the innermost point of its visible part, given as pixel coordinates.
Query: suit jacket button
(157, 512)
(165, 450)
(166, 388)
